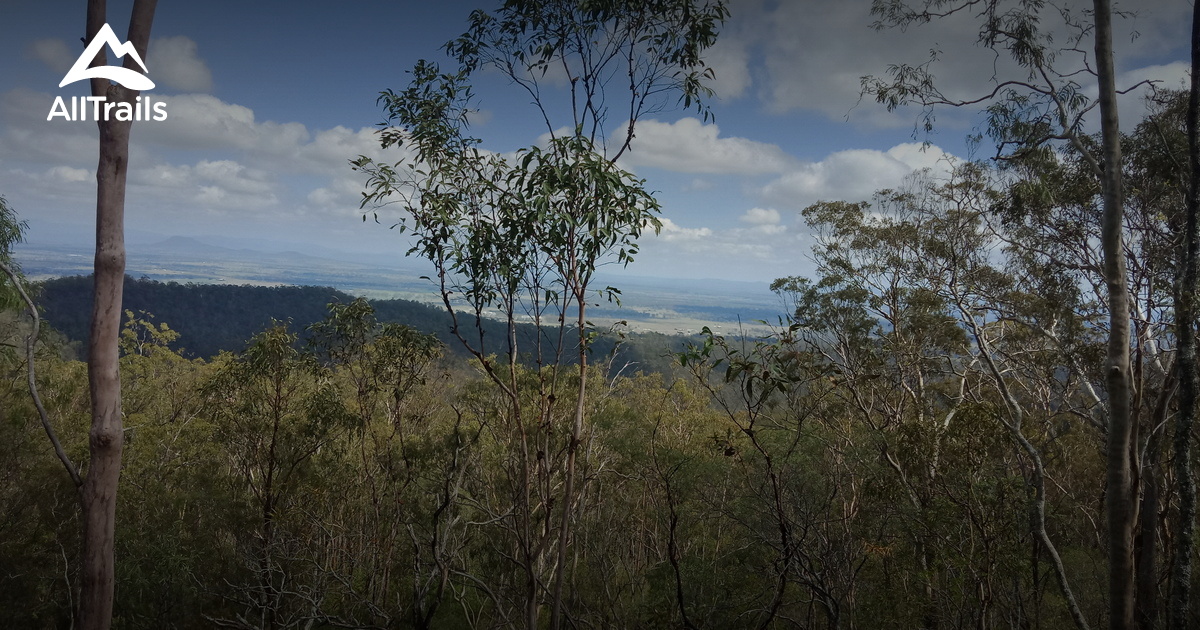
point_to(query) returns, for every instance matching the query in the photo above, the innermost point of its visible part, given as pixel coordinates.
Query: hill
(211, 318)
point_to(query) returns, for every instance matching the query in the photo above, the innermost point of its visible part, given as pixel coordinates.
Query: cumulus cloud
(54, 53)
(26, 137)
(690, 146)
(209, 184)
(340, 197)
(729, 60)
(816, 65)
(237, 162)
(201, 121)
(173, 62)
(331, 148)
(763, 220)
(853, 175)
(772, 233)
(758, 251)
(204, 122)
(672, 231)
(1132, 106)
(69, 175)
(761, 216)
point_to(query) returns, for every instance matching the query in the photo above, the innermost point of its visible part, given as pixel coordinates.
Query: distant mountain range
(181, 246)
(211, 318)
(666, 305)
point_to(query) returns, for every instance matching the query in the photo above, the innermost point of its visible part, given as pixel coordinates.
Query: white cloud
(1132, 106)
(690, 146)
(340, 197)
(817, 64)
(233, 161)
(204, 122)
(763, 221)
(200, 121)
(672, 231)
(761, 216)
(479, 117)
(853, 175)
(54, 53)
(173, 62)
(26, 137)
(769, 239)
(220, 185)
(69, 175)
(812, 55)
(331, 148)
(729, 60)
(759, 251)
(1171, 76)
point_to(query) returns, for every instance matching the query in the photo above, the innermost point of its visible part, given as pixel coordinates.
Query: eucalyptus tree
(925, 331)
(403, 470)
(1045, 105)
(1051, 221)
(98, 490)
(770, 395)
(273, 408)
(522, 237)
(12, 232)
(1179, 611)
(15, 294)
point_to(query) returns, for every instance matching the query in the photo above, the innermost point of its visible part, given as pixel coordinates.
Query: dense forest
(211, 318)
(977, 411)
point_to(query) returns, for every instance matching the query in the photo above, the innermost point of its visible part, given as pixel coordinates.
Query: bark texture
(1179, 606)
(1121, 499)
(99, 493)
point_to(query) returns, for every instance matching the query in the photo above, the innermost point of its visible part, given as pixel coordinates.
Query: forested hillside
(213, 317)
(210, 318)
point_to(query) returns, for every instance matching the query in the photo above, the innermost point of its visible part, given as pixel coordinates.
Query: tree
(1121, 498)
(99, 490)
(1024, 114)
(12, 231)
(409, 470)
(526, 236)
(274, 408)
(922, 320)
(169, 543)
(1188, 254)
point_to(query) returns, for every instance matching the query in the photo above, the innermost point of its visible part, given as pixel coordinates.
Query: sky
(269, 100)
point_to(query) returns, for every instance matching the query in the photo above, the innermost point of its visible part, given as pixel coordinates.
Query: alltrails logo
(99, 106)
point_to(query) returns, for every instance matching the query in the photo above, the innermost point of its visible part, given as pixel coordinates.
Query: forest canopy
(976, 410)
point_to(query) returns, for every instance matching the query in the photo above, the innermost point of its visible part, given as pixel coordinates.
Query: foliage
(918, 443)
(862, 466)
(210, 319)
(12, 232)
(523, 237)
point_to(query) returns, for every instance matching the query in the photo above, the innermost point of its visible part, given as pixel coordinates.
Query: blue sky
(269, 100)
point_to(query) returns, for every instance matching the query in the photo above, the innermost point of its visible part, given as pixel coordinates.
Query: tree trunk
(1179, 607)
(1146, 541)
(1121, 503)
(99, 495)
(564, 532)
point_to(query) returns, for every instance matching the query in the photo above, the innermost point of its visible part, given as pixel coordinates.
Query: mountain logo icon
(129, 78)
